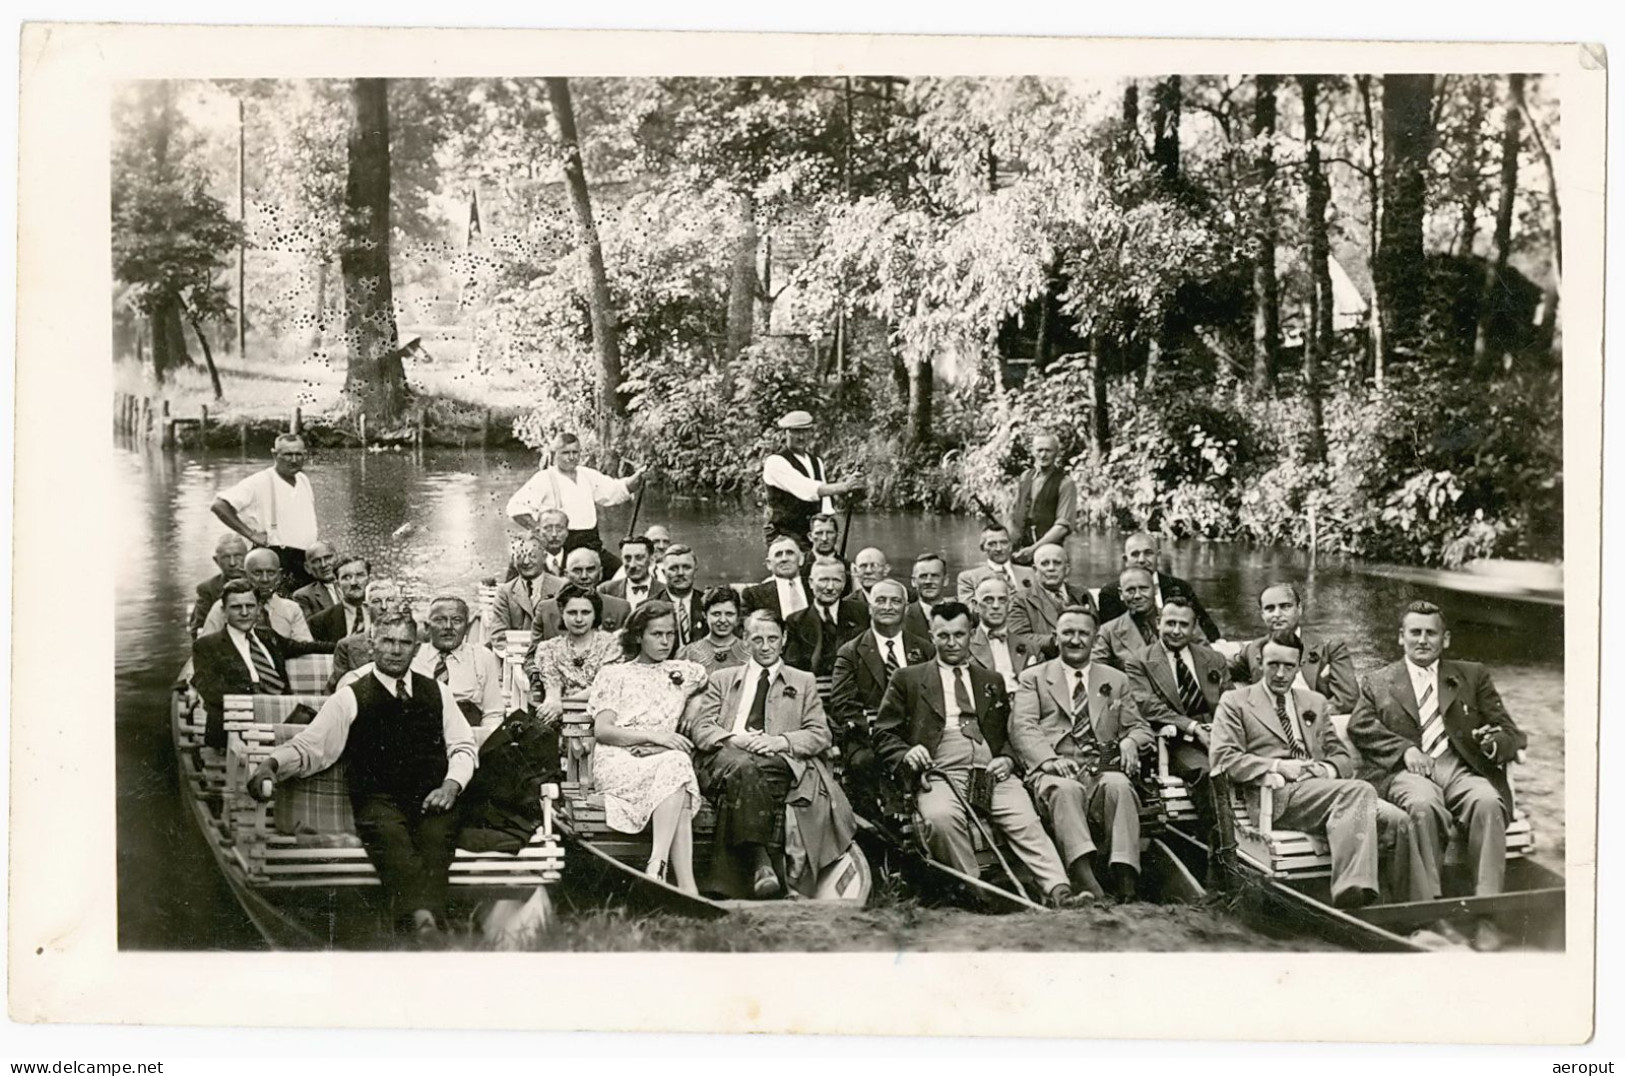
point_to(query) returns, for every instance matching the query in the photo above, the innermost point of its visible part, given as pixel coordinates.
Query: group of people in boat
(1002, 694)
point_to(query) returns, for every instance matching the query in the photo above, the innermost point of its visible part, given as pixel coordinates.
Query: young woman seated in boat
(642, 764)
(567, 664)
(721, 648)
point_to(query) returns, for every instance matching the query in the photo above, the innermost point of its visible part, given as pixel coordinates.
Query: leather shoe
(1084, 880)
(1487, 937)
(766, 884)
(1125, 883)
(1358, 897)
(1062, 897)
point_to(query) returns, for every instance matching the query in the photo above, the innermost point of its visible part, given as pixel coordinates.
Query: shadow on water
(436, 519)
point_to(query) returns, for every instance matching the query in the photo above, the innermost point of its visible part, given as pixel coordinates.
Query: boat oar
(637, 503)
(846, 522)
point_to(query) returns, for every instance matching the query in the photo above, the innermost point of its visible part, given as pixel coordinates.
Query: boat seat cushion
(316, 805)
(308, 673)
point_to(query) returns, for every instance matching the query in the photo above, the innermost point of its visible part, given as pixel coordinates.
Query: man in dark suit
(1078, 733)
(1272, 733)
(229, 553)
(1178, 683)
(814, 634)
(1436, 740)
(680, 564)
(1141, 551)
(242, 659)
(993, 646)
(1327, 666)
(1036, 610)
(322, 592)
(355, 649)
(760, 739)
(517, 599)
(638, 584)
(863, 666)
(930, 577)
(348, 614)
(948, 716)
(784, 591)
(1136, 628)
(583, 567)
(824, 536)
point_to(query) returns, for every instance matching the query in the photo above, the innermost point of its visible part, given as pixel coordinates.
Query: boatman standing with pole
(276, 508)
(1046, 501)
(798, 486)
(576, 491)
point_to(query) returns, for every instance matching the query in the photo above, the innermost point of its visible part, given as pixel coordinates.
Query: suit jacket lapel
(1400, 684)
(1156, 659)
(1059, 689)
(1447, 693)
(869, 652)
(981, 650)
(521, 587)
(933, 692)
(1206, 678)
(1099, 704)
(1263, 707)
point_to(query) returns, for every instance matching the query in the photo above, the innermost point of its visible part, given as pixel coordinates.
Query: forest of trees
(1242, 302)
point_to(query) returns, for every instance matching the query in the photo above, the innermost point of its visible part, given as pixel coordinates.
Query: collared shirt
(553, 563)
(577, 498)
(472, 673)
(1423, 678)
(242, 641)
(1001, 656)
(286, 513)
(777, 472)
(1190, 663)
(285, 617)
(829, 614)
(638, 593)
(747, 694)
(792, 594)
(898, 648)
(950, 705)
(322, 741)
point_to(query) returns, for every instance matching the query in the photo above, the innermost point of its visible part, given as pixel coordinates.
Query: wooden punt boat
(1280, 879)
(294, 864)
(610, 865)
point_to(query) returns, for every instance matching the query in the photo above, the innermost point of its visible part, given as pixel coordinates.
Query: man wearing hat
(798, 487)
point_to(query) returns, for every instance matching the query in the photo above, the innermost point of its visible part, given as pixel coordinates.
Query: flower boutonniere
(1308, 717)
(1451, 683)
(789, 691)
(1021, 648)
(1105, 691)
(914, 657)
(1213, 676)
(1313, 658)
(676, 676)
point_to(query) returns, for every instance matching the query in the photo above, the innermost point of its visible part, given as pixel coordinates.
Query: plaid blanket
(314, 806)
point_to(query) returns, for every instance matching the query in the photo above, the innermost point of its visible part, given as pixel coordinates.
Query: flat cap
(796, 420)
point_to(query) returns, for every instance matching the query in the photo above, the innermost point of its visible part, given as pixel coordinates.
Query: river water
(436, 519)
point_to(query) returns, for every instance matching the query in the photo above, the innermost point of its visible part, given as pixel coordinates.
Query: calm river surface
(170, 896)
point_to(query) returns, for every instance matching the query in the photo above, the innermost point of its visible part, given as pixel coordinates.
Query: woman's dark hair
(718, 596)
(570, 592)
(638, 623)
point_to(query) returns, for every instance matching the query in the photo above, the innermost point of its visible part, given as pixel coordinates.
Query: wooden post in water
(166, 429)
(485, 429)
(297, 423)
(146, 417)
(203, 428)
(361, 427)
(420, 430)
(243, 430)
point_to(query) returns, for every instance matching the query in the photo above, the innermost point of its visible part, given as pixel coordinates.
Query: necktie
(1145, 630)
(891, 656)
(1190, 692)
(829, 616)
(798, 600)
(967, 711)
(536, 590)
(682, 620)
(1434, 741)
(1080, 695)
(1083, 730)
(1298, 750)
(441, 673)
(756, 721)
(271, 681)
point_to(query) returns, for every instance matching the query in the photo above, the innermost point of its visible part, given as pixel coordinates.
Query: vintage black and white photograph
(874, 511)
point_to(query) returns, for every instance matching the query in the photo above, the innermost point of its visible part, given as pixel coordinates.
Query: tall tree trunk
(1318, 350)
(319, 327)
(899, 373)
(742, 284)
(1042, 332)
(208, 358)
(919, 402)
(1472, 156)
(1165, 104)
(1407, 136)
(1131, 112)
(168, 338)
(1266, 288)
(1100, 443)
(375, 378)
(1489, 301)
(605, 340)
(1549, 294)
(1374, 198)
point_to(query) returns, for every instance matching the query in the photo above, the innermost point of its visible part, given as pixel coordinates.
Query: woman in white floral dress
(642, 763)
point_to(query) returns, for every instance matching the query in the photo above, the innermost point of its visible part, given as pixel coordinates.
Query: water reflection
(434, 520)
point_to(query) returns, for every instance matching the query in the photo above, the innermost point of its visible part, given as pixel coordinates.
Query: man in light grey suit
(993, 646)
(995, 544)
(1078, 733)
(1276, 734)
(1039, 606)
(517, 599)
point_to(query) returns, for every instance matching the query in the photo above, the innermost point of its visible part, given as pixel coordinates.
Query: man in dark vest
(1046, 501)
(798, 486)
(408, 755)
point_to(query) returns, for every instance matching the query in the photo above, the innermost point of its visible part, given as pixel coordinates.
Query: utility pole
(242, 243)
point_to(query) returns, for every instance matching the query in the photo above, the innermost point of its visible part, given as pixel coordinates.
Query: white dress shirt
(322, 741)
(950, 706)
(287, 619)
(792, 595)
(638, 593)
(1001, 656)
(473, 674)
(777, 472)
(898, 648)
(242, 641)
(1423, 678)
(1190, 663)
(577, 498)
(753, 675)
(286, 513)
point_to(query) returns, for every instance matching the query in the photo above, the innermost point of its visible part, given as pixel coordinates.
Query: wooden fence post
(146, 417)
(203, 428)
(485, 429)
(361, 427)
(420, 429)
(298, 423)
(243, 429)
(166, 429)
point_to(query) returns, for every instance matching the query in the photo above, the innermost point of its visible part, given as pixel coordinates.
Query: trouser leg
(1474, 803)
(1114, 812)
(1347, 812)
(1016, 818)
(386, 834)
(1062, 801)
(1402, 873)
(947, 829)
(1423, 802)
(437, 844)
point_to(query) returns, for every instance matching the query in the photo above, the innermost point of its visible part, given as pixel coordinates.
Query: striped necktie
(1190, 692)
(967, 709)
(1298, 750)
(1434, 741)
(442, 673)
(891, 657)
(270, 682)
